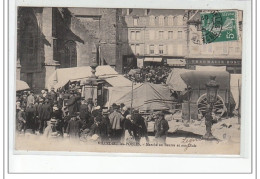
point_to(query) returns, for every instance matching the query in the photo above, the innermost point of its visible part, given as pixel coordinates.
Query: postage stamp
(219, 26)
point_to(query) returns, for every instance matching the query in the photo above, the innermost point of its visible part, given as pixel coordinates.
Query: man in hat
(21, 117)
(162, 128)
(139, 127)
(84, 114)
(50, 130)
(52, 96)
(74, 126)
(57, 114)
(72, 104)
(46, 114)
(30, 117)
(30, 99)
(116, 119)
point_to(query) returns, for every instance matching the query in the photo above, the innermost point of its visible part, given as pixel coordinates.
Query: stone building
(50, 38)
(226, 54)
(152, 36)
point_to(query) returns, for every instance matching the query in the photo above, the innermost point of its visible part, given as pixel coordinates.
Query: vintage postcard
(126, 80)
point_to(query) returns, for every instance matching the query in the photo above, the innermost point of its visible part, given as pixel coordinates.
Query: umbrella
(21, 85)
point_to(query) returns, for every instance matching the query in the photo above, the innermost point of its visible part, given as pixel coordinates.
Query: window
(161, 20)
(70, 55)
(210, 48)
(160, 34)
(179, 49)
(151, 49)
(170, 21)
(135, 21)
(170, 34)
(152, 21)
(225, 49)
(138, 35)
(137, 49)
(28, 39)
(133, 48)
(179, 20)
(132, 35)
(151, 35)
(179, 34)
(160, 49)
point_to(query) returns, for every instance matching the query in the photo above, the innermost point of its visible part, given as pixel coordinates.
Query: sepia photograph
(128, 80)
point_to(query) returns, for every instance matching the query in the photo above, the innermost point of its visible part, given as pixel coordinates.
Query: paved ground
(182, 139)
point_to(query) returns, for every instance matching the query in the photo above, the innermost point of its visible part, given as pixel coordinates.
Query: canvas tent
(198, 79)
(175, 81)
(21, 85)
(148, 97)
(115, 93)
(62, 76)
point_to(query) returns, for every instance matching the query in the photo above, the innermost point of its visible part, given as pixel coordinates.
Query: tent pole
(132, 98)
(239, 99)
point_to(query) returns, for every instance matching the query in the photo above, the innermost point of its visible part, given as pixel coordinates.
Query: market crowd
(151, 74)
(67, 114)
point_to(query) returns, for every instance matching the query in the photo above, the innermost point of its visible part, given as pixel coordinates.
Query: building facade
(226, 54)
(152, 36)
(50, 38)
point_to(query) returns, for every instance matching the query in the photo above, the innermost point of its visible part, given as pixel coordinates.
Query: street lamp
(93, 79)
(212, 92)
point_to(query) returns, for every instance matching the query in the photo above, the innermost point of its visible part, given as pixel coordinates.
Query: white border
(136, 162)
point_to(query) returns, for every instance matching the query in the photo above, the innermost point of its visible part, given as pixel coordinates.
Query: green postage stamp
(219, 26)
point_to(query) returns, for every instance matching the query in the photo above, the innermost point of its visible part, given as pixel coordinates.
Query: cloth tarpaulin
(117, 81)
(62, 76)
(148, 97)
(175, 81)
(198, 79)
(115, 93)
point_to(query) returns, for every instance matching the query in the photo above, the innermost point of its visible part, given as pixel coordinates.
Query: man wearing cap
(162, 128)
(116, 119)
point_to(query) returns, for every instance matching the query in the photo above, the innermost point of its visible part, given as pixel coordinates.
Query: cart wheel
(219, 107)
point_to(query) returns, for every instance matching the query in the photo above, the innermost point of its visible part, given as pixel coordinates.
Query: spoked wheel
(219, 107)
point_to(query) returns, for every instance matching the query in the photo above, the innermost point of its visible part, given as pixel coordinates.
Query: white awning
(148, 59)
(176, 62)
(157, 59)
(151, 59)
(21, 85)
(210, 68)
